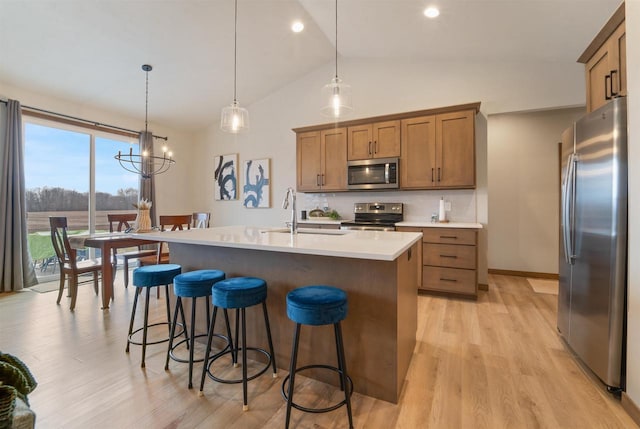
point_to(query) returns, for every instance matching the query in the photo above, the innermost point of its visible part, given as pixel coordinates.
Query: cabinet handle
(606, 87)
(375, 146)
(614, 94)
(432, 179)
(438, 174)
(451, 237)
(317, 180)
(448, 280)
(370, 149)
(449, 256)
(322, 182)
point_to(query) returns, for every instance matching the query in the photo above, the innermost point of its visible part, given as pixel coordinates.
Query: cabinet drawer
(449, 236)
(449, 255)
(449, 280)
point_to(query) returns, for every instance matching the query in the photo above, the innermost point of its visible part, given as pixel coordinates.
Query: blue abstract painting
(256, 188)
(226, 177)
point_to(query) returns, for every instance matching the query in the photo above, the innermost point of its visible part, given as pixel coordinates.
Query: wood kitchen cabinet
(376, 140)
(438, 151)
(606, 63)
(436, 148)
(449, 260)
(322, 160)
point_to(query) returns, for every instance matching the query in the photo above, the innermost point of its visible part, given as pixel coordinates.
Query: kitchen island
(378, 270)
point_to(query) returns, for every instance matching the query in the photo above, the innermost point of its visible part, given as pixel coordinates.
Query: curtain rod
(75, 118)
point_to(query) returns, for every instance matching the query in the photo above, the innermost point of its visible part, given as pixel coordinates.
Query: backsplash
(418, 205)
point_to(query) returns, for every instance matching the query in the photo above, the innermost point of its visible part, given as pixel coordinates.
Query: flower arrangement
(143, 204)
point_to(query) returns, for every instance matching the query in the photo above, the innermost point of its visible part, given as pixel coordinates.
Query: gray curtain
(17, 271)
(147, 184)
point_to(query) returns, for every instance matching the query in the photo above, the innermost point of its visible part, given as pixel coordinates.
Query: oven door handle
(386, 173)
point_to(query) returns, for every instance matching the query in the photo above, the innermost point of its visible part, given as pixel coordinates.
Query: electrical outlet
(447, 206)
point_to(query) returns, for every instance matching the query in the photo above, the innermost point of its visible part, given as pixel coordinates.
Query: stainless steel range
(375, 217)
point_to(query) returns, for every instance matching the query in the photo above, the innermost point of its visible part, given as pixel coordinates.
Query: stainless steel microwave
(381, 173)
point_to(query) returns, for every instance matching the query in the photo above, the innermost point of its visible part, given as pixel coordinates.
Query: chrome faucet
(294, 222)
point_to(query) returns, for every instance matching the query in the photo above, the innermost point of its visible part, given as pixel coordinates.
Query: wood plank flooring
(494, 363)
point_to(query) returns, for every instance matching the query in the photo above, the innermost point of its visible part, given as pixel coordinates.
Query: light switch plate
(447, 206)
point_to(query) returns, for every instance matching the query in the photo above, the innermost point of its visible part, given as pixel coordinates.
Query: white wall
(633, 297)
(174, 189)
(379, 88)
(524, 189)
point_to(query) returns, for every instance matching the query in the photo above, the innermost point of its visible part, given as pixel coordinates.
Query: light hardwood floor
(494, 363)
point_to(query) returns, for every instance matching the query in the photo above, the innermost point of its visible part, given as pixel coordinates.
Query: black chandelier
(143, 163)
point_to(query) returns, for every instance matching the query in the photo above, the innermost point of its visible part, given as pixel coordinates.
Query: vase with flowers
(143, 220)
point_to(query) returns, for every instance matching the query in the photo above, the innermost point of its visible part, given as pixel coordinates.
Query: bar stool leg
(212, 326)
(193, 336)
(343, 370)
(145, 327)
(133, 316)
(226, 320)
(292, 372)
(166, 291)
(235, 355)
(184, 324)
(266, 322)
(172, 331)
(245, 406)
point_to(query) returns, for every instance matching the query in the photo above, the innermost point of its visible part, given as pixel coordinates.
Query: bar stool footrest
(237, 380)
(177, 359)
(164, 340)
(285, 383)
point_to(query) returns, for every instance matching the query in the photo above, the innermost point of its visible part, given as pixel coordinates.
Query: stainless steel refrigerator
(593, 241)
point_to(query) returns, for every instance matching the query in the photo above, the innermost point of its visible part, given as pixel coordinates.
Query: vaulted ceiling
(91, 51)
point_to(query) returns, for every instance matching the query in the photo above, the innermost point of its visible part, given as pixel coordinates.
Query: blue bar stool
(148, 277)
(193, 284)
(239, 293)
(317, 305)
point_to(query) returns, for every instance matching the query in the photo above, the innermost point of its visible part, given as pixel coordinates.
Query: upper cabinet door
(619, 58)
(308, 157)
(418, 158)
(386, 139)
(360, 142)
(455, 152)
(334, 159)
(597, 70)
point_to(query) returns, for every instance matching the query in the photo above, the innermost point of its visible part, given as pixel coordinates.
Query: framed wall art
(256, 186)
(226, 177)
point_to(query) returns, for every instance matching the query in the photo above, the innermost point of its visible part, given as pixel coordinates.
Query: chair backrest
(60, 241)
(175, 222)
(122, 220)
(201, 220)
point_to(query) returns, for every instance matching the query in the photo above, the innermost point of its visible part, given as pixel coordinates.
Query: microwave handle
(386, 173)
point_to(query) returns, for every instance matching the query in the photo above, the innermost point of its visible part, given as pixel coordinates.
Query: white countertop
(376, 245)
(429, 224)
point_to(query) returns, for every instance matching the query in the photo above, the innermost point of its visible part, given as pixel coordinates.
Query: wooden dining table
(106, 242)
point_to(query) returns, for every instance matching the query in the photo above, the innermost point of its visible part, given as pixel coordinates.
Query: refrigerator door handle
(568, 207)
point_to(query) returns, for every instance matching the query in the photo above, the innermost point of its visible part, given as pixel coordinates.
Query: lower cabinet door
(453, 280)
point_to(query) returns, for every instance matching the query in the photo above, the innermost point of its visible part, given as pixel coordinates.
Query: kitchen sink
(308, 231)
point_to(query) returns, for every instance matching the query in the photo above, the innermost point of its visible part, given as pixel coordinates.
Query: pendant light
(336, 94)
(235, 119)
(145, 164)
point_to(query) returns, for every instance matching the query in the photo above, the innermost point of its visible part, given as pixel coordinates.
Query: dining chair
(167, 223)
(118, 223)
(201, 220)
(69, 266)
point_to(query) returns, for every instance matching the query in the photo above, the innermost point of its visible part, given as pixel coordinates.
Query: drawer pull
(448, 280)
(450, 237)
(449, 256)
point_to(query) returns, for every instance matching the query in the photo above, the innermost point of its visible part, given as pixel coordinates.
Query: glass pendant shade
(337, 99)
(234, 119)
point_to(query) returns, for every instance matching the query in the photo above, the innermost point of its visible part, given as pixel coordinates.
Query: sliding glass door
(71, 172)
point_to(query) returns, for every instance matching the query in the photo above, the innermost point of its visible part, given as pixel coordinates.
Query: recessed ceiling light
(431, 12)
(297, 27)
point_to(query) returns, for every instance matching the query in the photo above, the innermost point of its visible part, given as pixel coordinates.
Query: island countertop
(374, 245)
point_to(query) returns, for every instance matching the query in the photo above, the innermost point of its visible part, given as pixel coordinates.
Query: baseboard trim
(483, 286)
(531, 274)
(630, 407)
